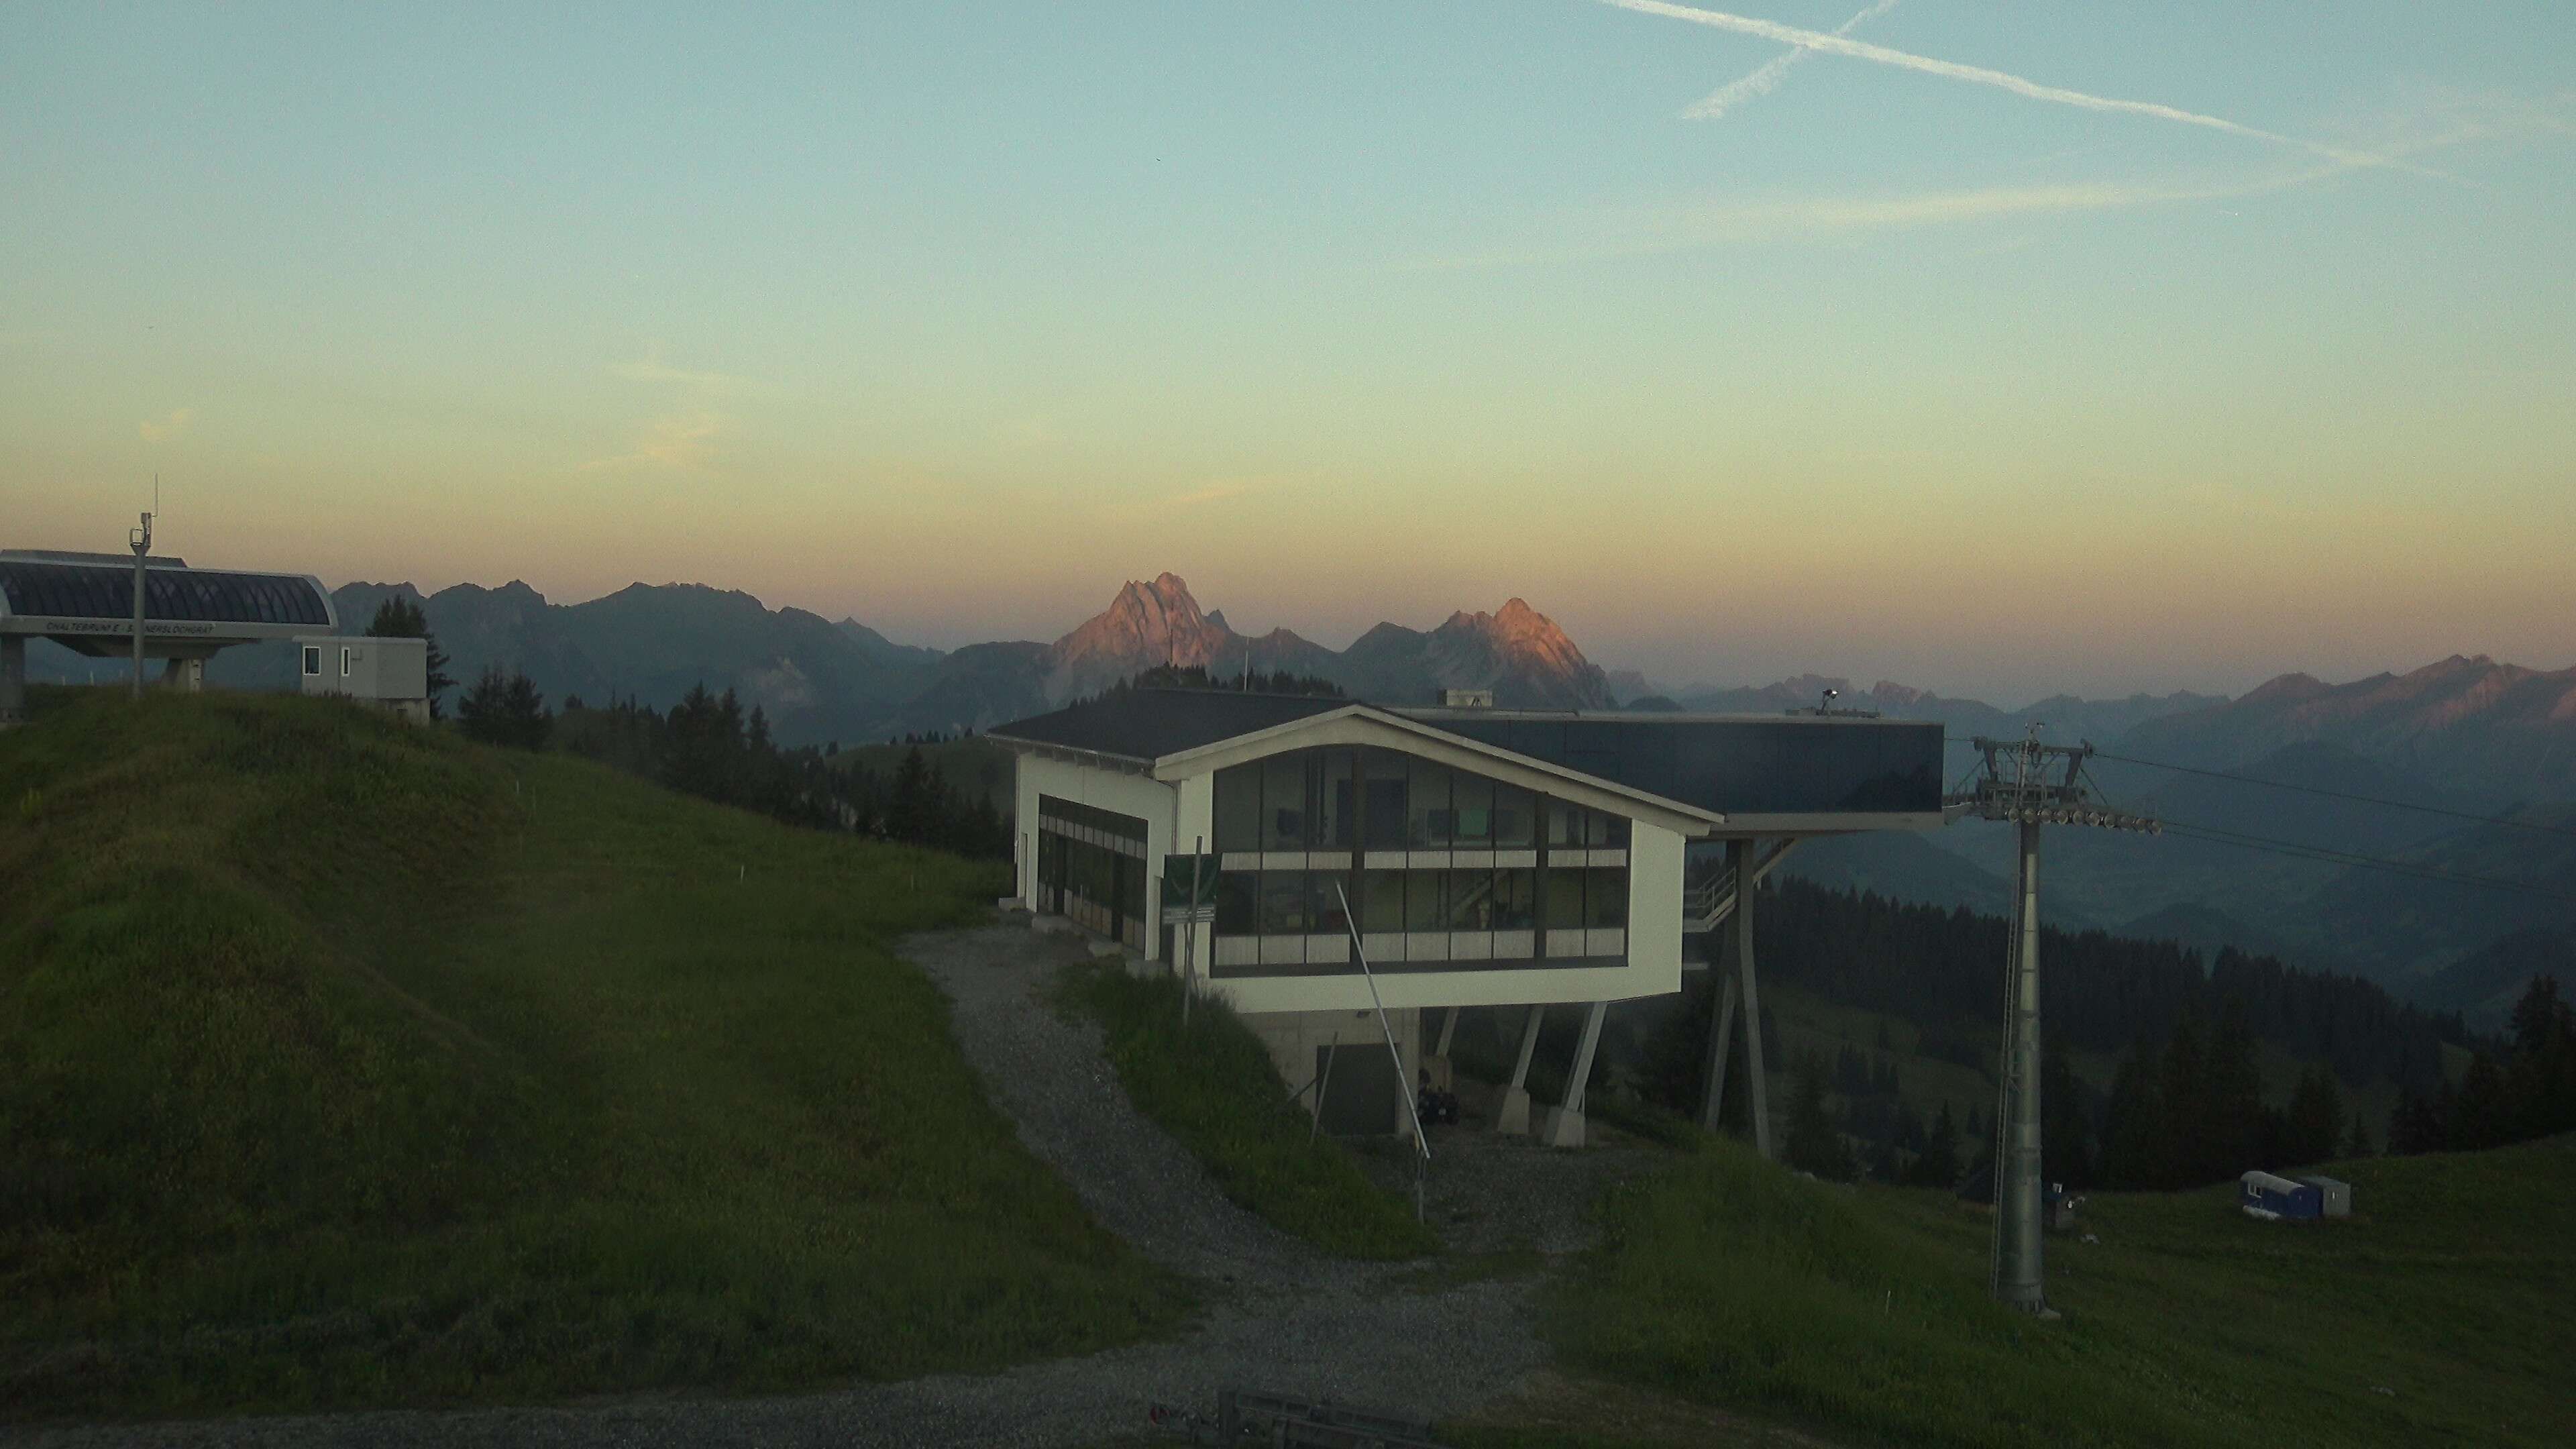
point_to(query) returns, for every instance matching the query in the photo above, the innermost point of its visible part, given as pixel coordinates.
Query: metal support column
(2018, 1204)
(1757, 1085)
(1721, 1042)
(1515, 1112)
(1565, 1123)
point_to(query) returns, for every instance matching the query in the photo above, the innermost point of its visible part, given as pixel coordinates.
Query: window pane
(1605, 898)
(1564, 824)
(1339, 799)
(1427, 813)
(1471, 900)
(1385, 799)
(1238, 808)
(1283, 802)
(1515, 899)
(1323, 906)
(1423, 910)
(1515, 826)
(1234, 891)
(1565, 900)
(1383, 910)
(1283, 903)
(1474, 802)
(1605, 831)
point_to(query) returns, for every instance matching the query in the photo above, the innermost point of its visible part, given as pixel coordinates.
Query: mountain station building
(1476, 856)
(85, 602)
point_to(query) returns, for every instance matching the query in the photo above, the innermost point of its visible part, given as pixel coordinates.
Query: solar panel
(103, 591)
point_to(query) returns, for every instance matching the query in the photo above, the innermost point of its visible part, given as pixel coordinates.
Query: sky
(1997, 348)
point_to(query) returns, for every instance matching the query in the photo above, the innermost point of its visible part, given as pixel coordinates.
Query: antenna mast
(2029, 784)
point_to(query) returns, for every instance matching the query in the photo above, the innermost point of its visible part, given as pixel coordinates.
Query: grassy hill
(353, 1064)
(2438, 1314)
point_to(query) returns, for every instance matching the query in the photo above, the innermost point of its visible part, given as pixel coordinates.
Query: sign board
(1188, 916)
(1179, 872)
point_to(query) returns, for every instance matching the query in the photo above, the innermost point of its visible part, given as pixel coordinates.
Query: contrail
(1766, 80)
(1818, 40)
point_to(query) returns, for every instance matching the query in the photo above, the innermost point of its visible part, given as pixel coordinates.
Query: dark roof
(1147, 724)
(106, 591)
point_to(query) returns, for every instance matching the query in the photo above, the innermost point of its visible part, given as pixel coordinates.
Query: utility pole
(2024, 784)
(141, 539)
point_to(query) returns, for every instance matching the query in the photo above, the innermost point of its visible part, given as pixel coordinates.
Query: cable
(2331, 856)
(2343, 795)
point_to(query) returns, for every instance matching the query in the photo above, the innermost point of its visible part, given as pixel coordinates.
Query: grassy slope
(1215, 1090)
(1862, 1310)
(350, 1064)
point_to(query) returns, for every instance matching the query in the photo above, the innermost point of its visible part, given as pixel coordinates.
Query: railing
(1707, 901)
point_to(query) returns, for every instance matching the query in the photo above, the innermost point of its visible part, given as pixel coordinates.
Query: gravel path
(1285, 1318)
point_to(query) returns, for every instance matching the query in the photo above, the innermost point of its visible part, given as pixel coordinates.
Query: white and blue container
(2273, 1199)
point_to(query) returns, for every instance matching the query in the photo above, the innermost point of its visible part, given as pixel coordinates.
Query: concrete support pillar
(1757, 1088)
(1565, 1123)
(184, 676)
(1515, 1113)
(1721, 1043)
(13, 678)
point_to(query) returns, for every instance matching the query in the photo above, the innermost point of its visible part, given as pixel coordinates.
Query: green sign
(1179, 871)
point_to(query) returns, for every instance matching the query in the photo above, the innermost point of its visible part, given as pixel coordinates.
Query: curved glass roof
(106, 591)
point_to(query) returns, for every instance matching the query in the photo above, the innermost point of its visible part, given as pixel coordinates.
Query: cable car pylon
(2029, 784)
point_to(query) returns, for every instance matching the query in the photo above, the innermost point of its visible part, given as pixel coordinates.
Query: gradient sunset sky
(1998, 348)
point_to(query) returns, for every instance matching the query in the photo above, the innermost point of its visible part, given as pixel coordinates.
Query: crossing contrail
(1767, 79)
(1817, 40)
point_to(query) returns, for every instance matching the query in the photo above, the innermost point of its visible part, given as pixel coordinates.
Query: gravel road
(1283, 1317)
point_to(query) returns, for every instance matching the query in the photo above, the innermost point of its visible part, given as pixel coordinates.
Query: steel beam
(1514, 1115)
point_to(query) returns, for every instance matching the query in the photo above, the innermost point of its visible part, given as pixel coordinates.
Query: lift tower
(2029, 784)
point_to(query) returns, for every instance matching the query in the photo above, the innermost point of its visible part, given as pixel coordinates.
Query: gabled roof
(1147, 724)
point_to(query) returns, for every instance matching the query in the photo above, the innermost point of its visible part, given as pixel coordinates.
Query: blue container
(2263, 1195)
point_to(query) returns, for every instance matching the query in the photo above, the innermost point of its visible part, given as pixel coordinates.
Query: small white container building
(392, 673)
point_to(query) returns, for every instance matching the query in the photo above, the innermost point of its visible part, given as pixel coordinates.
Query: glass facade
(106, 591)
(1747, 767)
(1441, 867)
(1091, 869)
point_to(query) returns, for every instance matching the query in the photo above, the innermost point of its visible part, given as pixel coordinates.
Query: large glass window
(1564, 900)
(1238, 808)
(1427, 816)
(1515, 899)
(1324, 889)
(1235, 890)
(1284, 807)
(1382, 908)
(1339, 796)
(1472, 801)
(1471, 900)
(1515, 818)
(1605, 897)
(1564, 825)
(1283, 903)
(1425, 906)
(1383, 799)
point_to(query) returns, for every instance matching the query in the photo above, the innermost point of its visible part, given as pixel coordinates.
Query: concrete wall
(1294, 1036)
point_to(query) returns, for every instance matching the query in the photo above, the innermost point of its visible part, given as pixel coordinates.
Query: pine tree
(2358, 1144)
(2316, 1109)
(400, 618)
(2065, 1128)
(1939, 1164)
